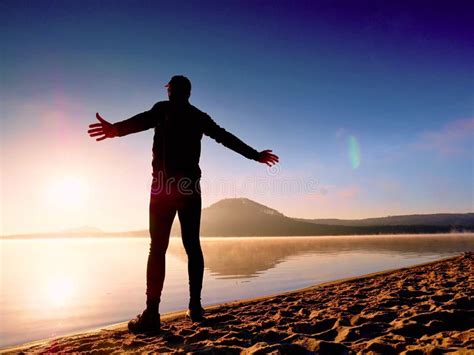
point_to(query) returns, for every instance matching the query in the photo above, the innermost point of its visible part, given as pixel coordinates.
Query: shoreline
(73, 342)
(120, 235)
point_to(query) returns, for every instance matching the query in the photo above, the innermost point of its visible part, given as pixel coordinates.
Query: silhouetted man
(179, 127)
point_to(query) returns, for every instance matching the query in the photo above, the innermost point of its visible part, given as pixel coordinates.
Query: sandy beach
(426, 309)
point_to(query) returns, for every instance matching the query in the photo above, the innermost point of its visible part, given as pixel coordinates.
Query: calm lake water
(51, 287)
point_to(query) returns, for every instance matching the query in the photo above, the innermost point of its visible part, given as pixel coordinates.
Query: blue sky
(303, 78)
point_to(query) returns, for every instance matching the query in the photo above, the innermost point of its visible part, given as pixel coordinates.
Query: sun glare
(59, 291)
(67, 192)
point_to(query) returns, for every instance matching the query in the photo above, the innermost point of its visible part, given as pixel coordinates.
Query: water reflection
(249, 257)
(51, 287)
(58, 291)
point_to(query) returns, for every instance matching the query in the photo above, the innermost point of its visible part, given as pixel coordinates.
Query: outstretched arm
(102, 130)
(220, 135)
(137, 123)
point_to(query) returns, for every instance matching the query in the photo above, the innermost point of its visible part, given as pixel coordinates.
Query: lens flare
(354, 152)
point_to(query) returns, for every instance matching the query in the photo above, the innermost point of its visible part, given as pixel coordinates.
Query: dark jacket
(177, 141)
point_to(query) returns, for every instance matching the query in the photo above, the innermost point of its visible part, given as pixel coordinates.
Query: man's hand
(267, 157)
(102, 130)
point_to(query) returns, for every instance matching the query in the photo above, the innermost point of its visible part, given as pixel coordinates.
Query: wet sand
(426, 309)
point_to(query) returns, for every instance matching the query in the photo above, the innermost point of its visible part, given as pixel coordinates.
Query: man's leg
(190, 218)
(162, 213)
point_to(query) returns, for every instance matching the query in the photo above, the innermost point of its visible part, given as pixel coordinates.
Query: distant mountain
(244, 217)
(83, 229)
(439, 219)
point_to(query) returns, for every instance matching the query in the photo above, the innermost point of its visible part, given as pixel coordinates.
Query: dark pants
(165, 201)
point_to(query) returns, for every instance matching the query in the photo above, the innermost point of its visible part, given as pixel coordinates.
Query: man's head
(179, 88)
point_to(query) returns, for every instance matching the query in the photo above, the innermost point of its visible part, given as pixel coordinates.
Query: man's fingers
(267, 161)
(94, 130)
(95, 125)
(101, 138)
(267, 154)
(97, 134)
(270, 160)
(271, 156)
(99, 117)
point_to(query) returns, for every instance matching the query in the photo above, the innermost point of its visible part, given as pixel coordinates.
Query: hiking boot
(196, 314)
(147, 322)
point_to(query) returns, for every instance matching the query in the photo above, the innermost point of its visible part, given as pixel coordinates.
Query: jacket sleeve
(220, 135)
(140, 122)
